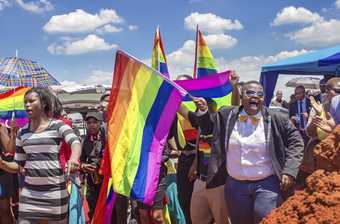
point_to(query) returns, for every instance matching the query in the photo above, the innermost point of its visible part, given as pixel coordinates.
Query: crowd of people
(231, 164)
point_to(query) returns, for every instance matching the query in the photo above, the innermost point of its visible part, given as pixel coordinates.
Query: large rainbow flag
(12, 105)
(205, 63)
(143, 104)
(158, 59)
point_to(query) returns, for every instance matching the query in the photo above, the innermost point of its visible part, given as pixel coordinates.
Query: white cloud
(249, 67)
(337, 4)
(99, 77)
(68, 83)
(211, 23)
(320, 34)
(4, 4)
(293, 15)
(81, 21)
(132, 27)
(109, 29)
(38, 6)
(91, 43)
(220, 41)
(182, 60)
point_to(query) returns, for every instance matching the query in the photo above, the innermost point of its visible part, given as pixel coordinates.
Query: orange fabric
(244, 118)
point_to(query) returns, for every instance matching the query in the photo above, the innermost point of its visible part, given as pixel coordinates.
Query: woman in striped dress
(44, 198)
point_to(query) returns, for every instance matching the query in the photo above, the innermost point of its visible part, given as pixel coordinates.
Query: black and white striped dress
(44, 195)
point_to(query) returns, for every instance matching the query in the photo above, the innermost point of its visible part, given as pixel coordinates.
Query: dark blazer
(284, 142)
(293, 107)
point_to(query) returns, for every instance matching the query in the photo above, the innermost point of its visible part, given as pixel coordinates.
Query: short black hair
(44, 96)
(185, 76)
(300, 87)
(251, 82)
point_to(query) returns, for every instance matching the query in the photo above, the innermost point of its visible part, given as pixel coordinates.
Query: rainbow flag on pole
(205, 63)
(158, 59)
(143, 104)
(12, 105)
(212, 86)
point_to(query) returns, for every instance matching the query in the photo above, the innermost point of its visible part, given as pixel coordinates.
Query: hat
(95, 115)
(107, 93)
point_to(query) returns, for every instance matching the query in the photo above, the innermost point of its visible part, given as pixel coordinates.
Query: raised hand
(316, 105)
(234, 78)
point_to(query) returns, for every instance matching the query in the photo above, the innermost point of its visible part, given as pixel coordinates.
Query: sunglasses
(252, 93)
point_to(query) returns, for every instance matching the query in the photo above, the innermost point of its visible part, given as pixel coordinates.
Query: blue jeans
(250, 201)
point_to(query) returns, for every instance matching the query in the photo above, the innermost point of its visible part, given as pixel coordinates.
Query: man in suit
(299, 111)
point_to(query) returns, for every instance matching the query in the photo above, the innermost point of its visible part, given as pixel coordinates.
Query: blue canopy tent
(321, 62)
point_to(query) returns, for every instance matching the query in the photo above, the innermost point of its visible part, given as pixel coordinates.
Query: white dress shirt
(247, 155)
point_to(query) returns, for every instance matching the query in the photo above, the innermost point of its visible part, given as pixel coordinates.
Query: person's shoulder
(278, 115)
(227, 108)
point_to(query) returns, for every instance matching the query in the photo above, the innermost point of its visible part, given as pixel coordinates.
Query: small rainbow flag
(205, 63)
(12, 104)
(143, 104)
(212, 86)
(158, 59)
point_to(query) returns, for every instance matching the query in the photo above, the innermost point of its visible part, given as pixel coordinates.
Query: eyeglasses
(252, 93)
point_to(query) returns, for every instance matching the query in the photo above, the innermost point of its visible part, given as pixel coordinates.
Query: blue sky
(76, 39)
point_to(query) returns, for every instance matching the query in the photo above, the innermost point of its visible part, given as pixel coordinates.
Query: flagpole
(196, 53)
(13, 113)
(158, 53)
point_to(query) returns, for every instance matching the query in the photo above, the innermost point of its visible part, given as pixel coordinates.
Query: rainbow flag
(212, 86)
(12, 104)
(106, 198)
(158, 59)
(205, 63)
(143, 104)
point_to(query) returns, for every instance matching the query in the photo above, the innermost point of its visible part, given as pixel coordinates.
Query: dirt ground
(319, 202)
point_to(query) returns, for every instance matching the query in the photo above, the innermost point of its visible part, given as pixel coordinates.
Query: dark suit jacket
(293, 108)
(284, 141)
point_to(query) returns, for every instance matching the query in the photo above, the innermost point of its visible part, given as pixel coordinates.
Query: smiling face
(252, 98)
(33, 106)
(93, 125)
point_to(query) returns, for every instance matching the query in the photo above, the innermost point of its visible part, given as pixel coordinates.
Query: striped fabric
(44, 194)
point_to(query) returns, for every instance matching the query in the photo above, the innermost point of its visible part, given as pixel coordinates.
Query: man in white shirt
(255, 152)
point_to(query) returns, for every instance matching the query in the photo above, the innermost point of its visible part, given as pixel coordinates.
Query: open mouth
(254, 105)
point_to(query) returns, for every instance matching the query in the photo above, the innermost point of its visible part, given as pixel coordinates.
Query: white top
(247, 156)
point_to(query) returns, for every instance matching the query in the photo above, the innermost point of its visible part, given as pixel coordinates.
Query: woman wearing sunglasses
(256, 153)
